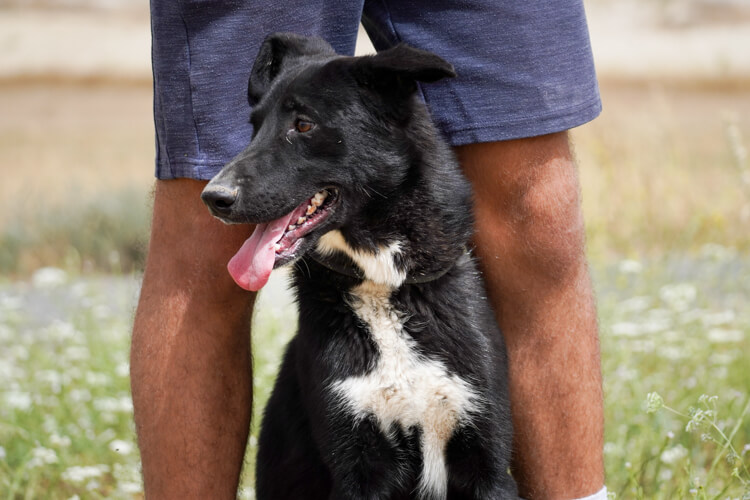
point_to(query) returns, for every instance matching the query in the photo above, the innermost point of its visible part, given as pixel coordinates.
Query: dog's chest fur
(404, 387)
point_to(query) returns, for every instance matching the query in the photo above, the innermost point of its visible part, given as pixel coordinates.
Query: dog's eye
(303, 126)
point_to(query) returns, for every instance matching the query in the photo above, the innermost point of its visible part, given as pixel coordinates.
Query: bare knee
(527, 205)
(547, 223)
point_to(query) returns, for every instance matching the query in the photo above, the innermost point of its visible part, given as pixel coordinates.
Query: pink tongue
(251, 266)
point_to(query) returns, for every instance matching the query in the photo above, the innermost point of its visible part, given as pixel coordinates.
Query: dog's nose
(219, 199)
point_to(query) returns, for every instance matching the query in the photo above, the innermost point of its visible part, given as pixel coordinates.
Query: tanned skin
(190, 359)
(530, 243)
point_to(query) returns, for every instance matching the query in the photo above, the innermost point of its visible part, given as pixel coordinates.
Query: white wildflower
(122, 369)
(9, 370)
(722, 359)
(611, 449)
(122, 404)
(717, 319)
(97, 379)
(121, 447)
(129, 487)
(633, 304)
(53, 378)
(41, 456)
(18, 400)
(626, 329)
(3, 454)
(59, 441)
(79, 289)
(79, 395)
(678, 296)
(673, 455)
(77, 353)
(656, 324)
(721, 335)
(128, 478)
(10, 302)
(63, 332)
(672, 353)
(101, 311)
(49, 277)
(630, 266)
(720, 373)
(6, 334)
(49, 425)
(625, 373)
(18, 351)
(692, 315)
(654, 402)
(81, 473)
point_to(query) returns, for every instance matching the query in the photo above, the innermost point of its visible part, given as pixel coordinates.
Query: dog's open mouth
(275, 243)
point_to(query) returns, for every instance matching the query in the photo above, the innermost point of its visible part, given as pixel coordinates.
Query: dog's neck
(414, 234)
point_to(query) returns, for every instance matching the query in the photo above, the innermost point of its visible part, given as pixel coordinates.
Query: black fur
(397, 181)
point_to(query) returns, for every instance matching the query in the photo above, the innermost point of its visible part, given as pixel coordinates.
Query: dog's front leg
(366, 464)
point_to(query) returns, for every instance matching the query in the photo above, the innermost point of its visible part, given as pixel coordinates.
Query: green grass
(65, 400)
(677, 326)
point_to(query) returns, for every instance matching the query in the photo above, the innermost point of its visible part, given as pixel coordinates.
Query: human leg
(524, 70)
(190, 355)
(530, 242)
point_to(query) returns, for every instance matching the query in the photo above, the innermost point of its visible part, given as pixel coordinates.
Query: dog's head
(329, 134)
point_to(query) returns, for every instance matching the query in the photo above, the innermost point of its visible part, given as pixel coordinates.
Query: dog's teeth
(311, 209)
(318, 199)
(300, 221)
(277, 247)
(291, 227)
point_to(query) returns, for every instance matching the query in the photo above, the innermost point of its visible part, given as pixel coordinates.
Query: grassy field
(666, 188)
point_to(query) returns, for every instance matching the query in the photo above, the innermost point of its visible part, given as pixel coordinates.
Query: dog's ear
(400, 67)
(277, 50)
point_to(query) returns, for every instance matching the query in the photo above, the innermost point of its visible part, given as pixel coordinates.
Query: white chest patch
(378, 267)
(406, 388)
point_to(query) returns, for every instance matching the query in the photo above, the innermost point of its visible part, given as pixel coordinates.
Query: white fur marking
(379, 267)
(406, 388)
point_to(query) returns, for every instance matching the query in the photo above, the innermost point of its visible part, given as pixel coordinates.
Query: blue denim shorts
(524, 68)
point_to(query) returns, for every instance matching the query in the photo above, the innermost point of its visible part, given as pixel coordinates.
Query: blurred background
(666, 191)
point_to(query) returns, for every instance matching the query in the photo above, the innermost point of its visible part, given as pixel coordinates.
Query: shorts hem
(187, 169)
(527, 127)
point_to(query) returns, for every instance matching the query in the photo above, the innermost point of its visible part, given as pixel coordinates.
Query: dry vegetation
(659, 170)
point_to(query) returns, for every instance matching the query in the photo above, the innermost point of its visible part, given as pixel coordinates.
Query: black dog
(395, 385)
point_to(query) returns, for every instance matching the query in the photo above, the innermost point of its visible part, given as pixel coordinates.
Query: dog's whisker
(379, 194)
(297, 265)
